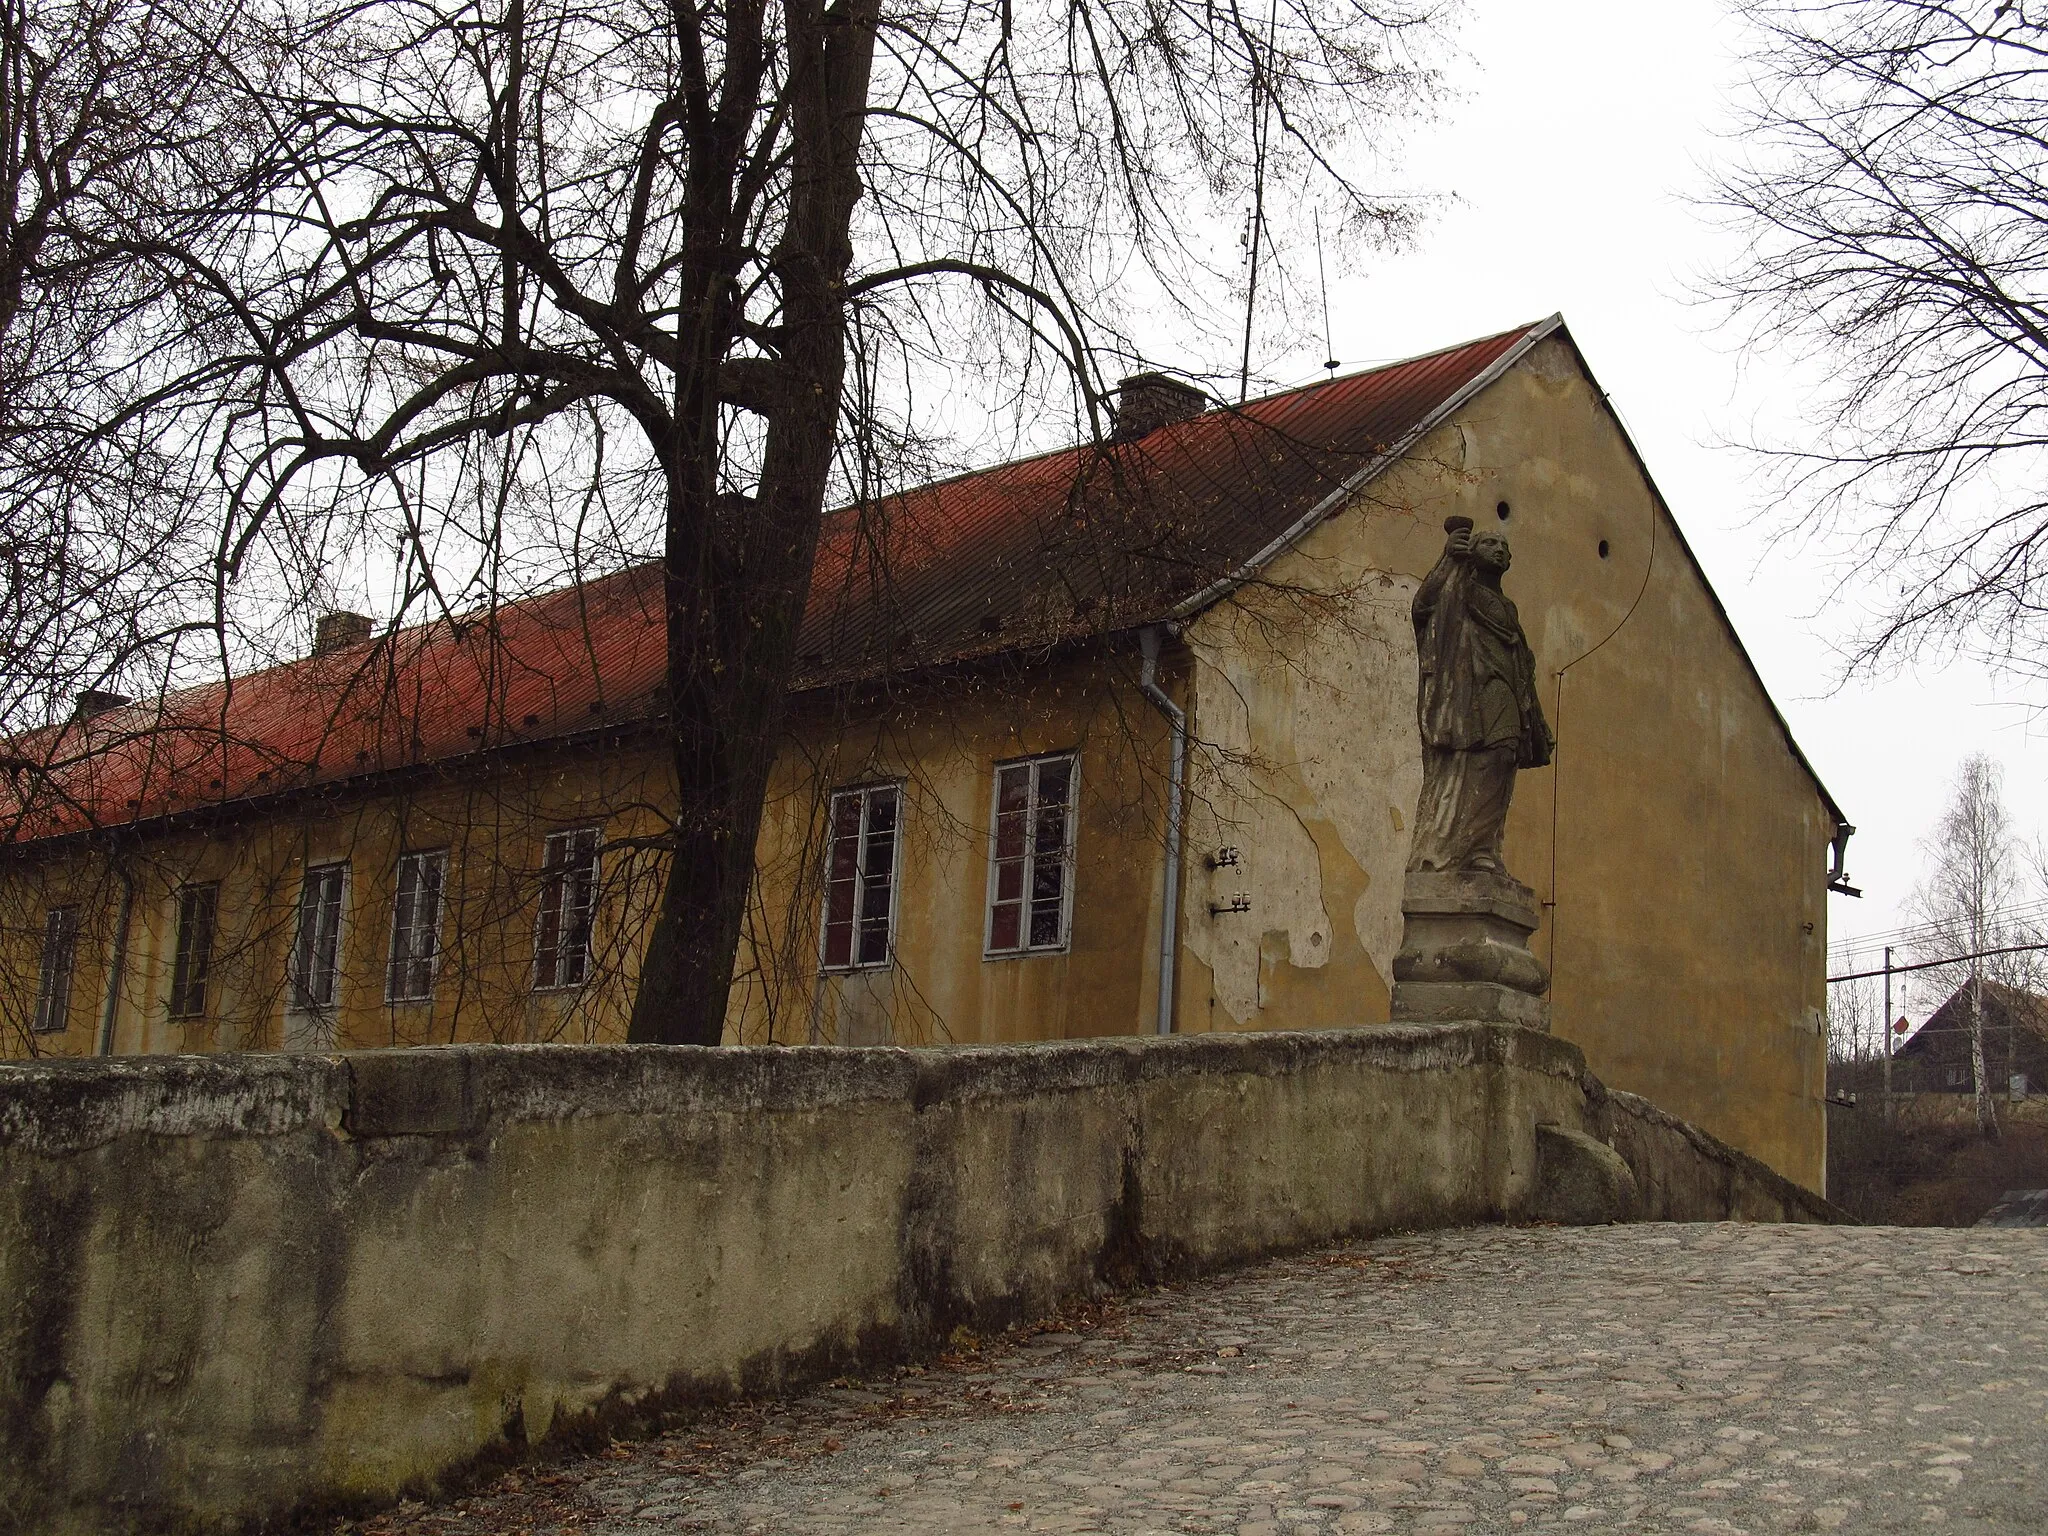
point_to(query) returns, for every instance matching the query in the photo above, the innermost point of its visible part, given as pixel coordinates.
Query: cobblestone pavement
(1639, 1379)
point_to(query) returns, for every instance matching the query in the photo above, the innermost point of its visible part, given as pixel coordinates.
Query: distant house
(1937, 1058)
(451, 832)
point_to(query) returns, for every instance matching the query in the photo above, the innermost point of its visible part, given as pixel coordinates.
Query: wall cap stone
(57, 1106)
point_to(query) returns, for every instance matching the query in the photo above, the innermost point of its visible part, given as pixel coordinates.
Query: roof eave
(1340, 498)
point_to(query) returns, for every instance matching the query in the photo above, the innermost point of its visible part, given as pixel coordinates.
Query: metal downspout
(117, 963)
(1177, 722)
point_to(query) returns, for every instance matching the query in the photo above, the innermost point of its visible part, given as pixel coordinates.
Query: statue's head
(1491, 551)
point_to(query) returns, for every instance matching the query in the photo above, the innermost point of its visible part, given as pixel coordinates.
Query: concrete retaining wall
(231, 1287)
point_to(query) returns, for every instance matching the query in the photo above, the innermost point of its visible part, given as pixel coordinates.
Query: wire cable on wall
(1557, 707)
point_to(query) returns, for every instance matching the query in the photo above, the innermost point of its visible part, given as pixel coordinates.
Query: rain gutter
(1176, 790)
(117, 964)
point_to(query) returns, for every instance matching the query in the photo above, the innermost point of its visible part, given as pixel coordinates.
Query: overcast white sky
(1584, 128)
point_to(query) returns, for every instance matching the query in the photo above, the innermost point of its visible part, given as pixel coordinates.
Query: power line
(1912, 931)
(1905, 937)
(1928, 965)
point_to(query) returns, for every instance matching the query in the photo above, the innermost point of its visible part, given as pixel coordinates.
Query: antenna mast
(1329, 351)
(1262, 99)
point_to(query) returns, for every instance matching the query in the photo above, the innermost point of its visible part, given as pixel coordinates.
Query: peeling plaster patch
(1247, 798)
(1310, 737)
(1363, 752)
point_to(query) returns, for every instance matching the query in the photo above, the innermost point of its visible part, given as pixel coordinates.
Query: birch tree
(1975, 874)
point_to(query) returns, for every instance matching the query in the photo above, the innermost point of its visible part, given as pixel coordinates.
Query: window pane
(548, 935)
(60, 958)
(402, 920)
(839, 901)
(846, 815)
(1045, 924)
(328, 960)
(1046, 880)
(316, 956)
(842, 873)
(845, 858)
(1010, 836)
(1010, 880)
(568, 905)
(582, 902)
(874, 902)
(1033, 828)
(1053, 781)
(860, 871)
(194, 951)
(881, 812)
(1013, 788)
(1051, 830)
(880, 859)
(1005, 925)
(415, 927)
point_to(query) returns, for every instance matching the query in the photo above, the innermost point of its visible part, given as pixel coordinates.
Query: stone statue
(1481, 720)
(1465, 921)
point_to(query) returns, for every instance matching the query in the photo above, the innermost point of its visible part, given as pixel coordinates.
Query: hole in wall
(1501, 511)
(1603, 549)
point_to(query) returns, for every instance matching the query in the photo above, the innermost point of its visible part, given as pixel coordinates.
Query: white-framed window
(316, 949)
(192, 958)
(568, 900)
(60, 958)
(1031, 855)
(859, 926)
(415, 927)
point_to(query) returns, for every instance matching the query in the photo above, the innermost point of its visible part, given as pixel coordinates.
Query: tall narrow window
(60, 955)
(860, 878)
(1032, 853)
(568, 897)
(192, 962)
(316, 954)
(415, 928)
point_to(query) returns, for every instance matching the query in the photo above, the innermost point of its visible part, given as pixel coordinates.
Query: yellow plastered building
(1110, 741)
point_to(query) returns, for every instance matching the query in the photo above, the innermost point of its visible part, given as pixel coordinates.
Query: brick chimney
(339, 631)
(97, 701)
(1145, 402)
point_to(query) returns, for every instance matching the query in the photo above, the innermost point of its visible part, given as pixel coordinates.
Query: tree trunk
(1987, 1114)
(731, 656)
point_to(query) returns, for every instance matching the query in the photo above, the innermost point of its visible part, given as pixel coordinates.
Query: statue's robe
(1480, 718)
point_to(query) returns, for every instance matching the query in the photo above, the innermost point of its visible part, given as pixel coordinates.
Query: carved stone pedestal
(1465, 952)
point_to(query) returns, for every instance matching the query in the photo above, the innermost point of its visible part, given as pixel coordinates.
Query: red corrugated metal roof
(1083, 541)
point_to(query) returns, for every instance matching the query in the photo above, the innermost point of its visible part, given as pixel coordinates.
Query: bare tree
(516, 289)
(1975, 872)
(1894, 196)
(111, 113)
